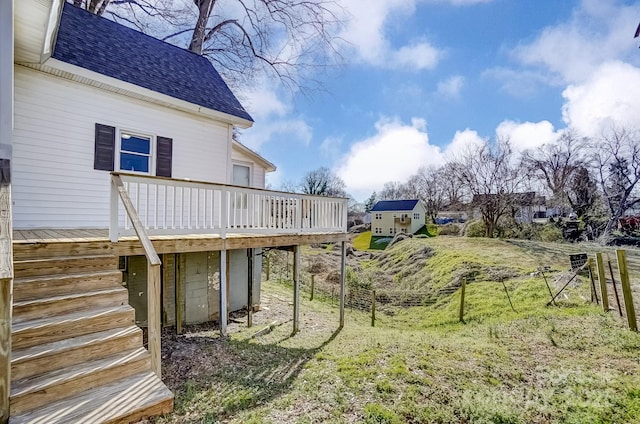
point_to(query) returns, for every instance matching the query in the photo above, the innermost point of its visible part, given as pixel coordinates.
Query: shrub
(475, 229)
(449, 230)
(550, 233)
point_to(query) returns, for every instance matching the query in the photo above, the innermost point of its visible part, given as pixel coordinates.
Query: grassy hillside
(564, 364)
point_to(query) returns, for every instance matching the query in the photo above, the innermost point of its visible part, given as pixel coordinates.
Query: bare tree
(616, 157)
(393, 190)
(489, 175)
(554, 164)
(243, 38)
(428, 186)
(452, 191)
(323, 182)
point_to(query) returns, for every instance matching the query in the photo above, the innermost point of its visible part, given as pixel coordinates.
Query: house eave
(268, 166)
(84, 76)
(36, 23)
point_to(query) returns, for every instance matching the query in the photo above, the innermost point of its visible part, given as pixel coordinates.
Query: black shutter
(105, 146)
(164, 150)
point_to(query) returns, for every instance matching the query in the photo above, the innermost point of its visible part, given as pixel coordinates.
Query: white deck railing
(168, 206)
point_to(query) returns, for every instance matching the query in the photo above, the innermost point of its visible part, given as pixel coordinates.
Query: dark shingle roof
(111, 49)
(394, 205)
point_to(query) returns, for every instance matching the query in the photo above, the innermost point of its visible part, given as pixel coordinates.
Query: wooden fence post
(603, 282)
(594, 293)
(613, 283)
(312, 286)
(373, 308)
(268, 258)
(462, 290)
(626, 290)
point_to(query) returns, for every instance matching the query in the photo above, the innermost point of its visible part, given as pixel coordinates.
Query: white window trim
(152, 151)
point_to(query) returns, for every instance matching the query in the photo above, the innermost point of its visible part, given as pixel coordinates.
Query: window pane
(135, 144)
(131, 162)
(241, 175)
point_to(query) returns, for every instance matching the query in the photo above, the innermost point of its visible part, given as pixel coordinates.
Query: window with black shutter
(134, 152)
(164, 152)
(105, 144)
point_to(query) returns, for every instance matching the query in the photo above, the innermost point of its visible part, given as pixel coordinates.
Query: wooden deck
(58, 240)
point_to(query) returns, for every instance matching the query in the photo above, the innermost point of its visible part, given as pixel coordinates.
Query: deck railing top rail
(172, 207)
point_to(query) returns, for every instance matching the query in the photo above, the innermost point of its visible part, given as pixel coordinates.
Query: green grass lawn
(570, 363)
(362, 241)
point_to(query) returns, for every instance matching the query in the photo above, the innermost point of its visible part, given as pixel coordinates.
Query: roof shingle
(111, 49)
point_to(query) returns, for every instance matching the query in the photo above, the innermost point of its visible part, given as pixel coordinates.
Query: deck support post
(343, 272)
(113, 213)
(153, 317)
(296, 289)
(6, 223)
(250, 287)
(223, 293)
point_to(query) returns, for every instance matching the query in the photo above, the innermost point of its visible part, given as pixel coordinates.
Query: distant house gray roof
(111, 49)
(394, 205)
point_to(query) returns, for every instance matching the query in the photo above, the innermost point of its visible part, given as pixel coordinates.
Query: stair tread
(50, 299)
(64, 258)
(65, 276)
(42, 322)
(128, 397)
(46, 349)
(58, 376)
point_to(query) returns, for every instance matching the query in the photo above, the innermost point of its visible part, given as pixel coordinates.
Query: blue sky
(424, 79)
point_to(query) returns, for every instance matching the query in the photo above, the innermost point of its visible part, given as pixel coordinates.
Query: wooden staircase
(77, 355)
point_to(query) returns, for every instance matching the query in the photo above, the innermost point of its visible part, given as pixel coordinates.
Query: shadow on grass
(215, 377)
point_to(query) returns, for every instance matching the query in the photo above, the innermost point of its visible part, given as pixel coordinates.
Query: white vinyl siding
(389, 226)
(54, 183)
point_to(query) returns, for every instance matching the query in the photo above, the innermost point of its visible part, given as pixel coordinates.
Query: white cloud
(330, 147)
(451, 87)
(273, 119)
(598, 31)
(610, 96)
(394, 153)
(526, 135)
(366, 31)
(518, 82)
(274, 179)
(461, 143)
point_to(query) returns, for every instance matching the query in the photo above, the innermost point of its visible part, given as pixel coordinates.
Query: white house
(389, 217)
(118, 166)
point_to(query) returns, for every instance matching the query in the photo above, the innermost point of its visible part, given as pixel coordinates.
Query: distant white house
(389, 217)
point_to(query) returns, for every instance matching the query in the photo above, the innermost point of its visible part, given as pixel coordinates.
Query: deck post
(249, 287)
(224, 213)
(153, 317)
(113, 214)
(223, 293)
(296, 289)
(343, 272)
(6, 224)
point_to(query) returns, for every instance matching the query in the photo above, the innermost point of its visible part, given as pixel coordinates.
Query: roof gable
(394, 205)
(111, 49)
